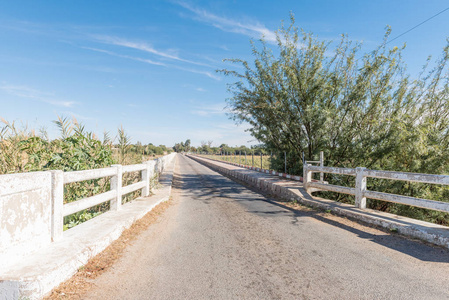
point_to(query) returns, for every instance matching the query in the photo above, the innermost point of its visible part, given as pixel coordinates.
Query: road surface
(220, 240)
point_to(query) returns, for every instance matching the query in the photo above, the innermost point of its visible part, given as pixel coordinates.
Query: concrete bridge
(234, 239)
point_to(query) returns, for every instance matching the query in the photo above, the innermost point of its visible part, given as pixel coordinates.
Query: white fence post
(360, 188)
(159, 166)
(321, 165)
(151, 165)
(307, 176)
(146, 178)
(57, 200)
(116, 184)
(164, 162)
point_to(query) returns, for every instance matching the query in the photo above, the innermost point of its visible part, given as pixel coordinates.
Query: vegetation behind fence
(25, 150)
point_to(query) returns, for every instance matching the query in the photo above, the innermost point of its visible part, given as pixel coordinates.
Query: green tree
(361, 109)
(187, 145)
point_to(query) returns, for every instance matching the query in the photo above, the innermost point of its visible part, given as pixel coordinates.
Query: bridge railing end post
(360, 188)
(57, 203)
(116, 184)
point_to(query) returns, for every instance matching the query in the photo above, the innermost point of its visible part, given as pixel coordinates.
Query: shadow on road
(213, 187)
(414, 248)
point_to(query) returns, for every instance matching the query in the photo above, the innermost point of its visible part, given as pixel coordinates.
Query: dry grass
(81, 282)
(266, 160)
(131, 158)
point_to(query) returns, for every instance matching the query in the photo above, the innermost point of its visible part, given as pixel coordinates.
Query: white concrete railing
(32, 206)
(361, 193)
(115, 194)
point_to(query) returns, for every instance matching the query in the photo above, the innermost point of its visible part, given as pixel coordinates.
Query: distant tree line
(207, 148)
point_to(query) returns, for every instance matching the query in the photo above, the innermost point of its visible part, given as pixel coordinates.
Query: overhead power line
(414, 27)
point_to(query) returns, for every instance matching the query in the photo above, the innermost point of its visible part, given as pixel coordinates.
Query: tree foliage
(182, 147)
(361, 109)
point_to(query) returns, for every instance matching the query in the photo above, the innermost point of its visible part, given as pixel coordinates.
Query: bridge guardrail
(360, 190)
(115, 194)
(32, 207)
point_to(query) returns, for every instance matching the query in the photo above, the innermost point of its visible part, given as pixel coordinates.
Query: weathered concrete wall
(31, 262)
(294, 191)
(32, 210)
(25, 214)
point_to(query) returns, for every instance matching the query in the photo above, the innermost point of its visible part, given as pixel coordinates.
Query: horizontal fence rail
(240, 159)
(114, 195)
(332, 188)
(76, 176)
(423, 203)
(133, 168)
(332, 170)
(32, 204)
(133, 187)
(412, 177)
(361, 193)
(85, 203)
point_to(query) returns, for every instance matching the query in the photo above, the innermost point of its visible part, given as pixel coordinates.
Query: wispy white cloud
(207, 73)
(194, 87)
(28, 27)
(30, 93)
(209, 110)
(51, 63)
(228, 133)
(221, 132)
(59, 102)
(21, 91)
(148, 61)
(76, 116)
(135, 45)
(224, 47)
(167, 54)
(251, 29)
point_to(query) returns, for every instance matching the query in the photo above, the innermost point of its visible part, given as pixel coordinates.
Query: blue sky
(150, 65)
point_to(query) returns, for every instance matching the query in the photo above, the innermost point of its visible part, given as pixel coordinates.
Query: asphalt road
(220, 240)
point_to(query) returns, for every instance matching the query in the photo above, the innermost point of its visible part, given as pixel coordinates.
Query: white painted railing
(32, 208)
(361, 193)
(114, 195)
